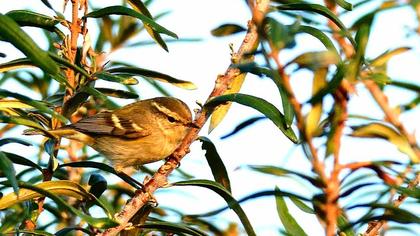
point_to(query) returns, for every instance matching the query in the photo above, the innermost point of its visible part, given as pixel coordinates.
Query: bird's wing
(107, 123)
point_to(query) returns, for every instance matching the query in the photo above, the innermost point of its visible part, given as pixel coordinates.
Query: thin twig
(159, 179)
(376, 226)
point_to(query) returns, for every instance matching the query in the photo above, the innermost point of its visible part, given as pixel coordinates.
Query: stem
(160, 178)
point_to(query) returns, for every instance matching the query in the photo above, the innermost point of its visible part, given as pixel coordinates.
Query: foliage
(64, 79)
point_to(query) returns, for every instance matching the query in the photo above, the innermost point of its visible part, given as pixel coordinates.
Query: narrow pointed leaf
(118, 93)
(219, 189)
(51, 189)
(227, 29)
(20, 121)
(385, 57)
(20, 160)
(314, 116)
(278, 171)
(5, 141)
(30, 18)
(301, 205)
(346, 5)
(409, 86)
(316, 60)
(332, 85)
(120, 10)
(172, 228)
(11, 32)
(321, 36)
(139, 6)
(220, 112)
(243, 125)
(322, 10)
(261, 105)
(379, 130)
(36, 104)
(7, 169)
(99, 166)
(289, 223)
(135, 71)
(116, 78)
(217, 167)
(58, 187)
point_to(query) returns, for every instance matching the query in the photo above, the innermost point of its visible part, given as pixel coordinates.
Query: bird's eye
(171, 119)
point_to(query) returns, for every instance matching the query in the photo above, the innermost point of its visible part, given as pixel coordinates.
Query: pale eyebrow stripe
(168, 112)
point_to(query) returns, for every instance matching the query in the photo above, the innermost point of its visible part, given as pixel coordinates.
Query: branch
(160, 178)
(375, 226)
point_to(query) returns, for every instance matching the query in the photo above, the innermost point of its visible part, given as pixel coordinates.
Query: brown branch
(340, 117)
(382, 100)
(376, 226)
(160, 178)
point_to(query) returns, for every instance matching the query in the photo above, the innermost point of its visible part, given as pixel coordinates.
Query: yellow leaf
(312, 120)
(384, 58)
(379, 130)
(58, 187)
(220, 112)
(13, 103)
(15, 64)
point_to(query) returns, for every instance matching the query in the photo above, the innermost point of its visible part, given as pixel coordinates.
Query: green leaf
(217, 167)
(243, 125)
(118, 93)
(227, 29)
(30, 18)
(382, 59)
(301, 205)
(100, 166)
(316, 60)
(20, 121)
(343, 225)
(116, 78)
(36, 104)
(219, 189)
(51, 189)
(278, 171)
(30, 232)
(140, 7)
(322, 10)
(278, 35)
(346, 5)
(314, 116)
(66, 231)
(251, 197)
(321, 36)
(11, 32)
(410, 86)
(152, 75)
(120, 10)
(75, 101)
(331, 86)
(261, 105)
(97, 94)
(171, 228)
(289, 223)
(7, 169)
(26, 62)
(20, 160)
(379, 78)
(5, 141)
(378, 130)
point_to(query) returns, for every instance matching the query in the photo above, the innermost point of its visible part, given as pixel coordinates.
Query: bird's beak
(193, 125)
